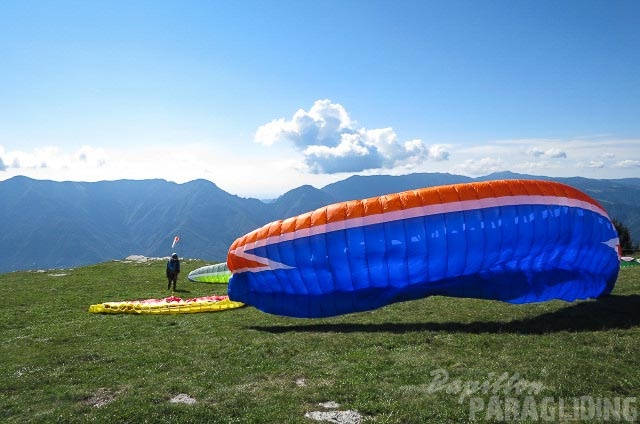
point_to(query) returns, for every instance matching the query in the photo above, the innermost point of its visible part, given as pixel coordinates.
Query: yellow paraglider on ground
(168, 306)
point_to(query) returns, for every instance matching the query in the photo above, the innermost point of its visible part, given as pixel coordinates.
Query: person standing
(173, 269)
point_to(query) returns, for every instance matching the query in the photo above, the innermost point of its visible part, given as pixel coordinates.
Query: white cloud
(91, 156)
(479, 167)
(534, 166)
(628, 163)
(240, 167)
(238, 171)
(534, 151)
(554, 153)
(51, 157)
(591, 164)
(331, 143)
(322, 125)
(591, 158)
(438, 153)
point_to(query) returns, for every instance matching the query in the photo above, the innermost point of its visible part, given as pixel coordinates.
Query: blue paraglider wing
(516, 241)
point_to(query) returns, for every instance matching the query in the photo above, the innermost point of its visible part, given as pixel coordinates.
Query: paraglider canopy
(516, 241)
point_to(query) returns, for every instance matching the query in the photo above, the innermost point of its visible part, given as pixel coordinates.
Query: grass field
(60, 363)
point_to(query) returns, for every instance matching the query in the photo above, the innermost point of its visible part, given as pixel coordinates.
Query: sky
(261, 97)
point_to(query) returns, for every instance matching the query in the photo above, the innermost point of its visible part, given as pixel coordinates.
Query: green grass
(58, 360)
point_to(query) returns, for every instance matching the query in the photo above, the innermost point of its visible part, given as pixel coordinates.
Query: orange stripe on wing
(333, 215)
(237, 262)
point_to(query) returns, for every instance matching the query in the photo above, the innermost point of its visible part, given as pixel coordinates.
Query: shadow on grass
(609, 313)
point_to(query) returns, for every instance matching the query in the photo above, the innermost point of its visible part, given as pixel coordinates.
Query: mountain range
(47, 224)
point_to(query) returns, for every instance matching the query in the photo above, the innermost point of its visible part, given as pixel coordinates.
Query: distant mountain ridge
(47, 224)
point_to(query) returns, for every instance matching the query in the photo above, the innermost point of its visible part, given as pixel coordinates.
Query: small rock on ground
(337, 417)
(136, 258)
(182, 398)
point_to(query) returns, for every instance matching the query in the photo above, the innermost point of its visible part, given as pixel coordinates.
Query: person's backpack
(171, 266)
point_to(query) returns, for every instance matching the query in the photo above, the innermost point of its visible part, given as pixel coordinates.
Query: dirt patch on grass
(101, 398)
(337, 417)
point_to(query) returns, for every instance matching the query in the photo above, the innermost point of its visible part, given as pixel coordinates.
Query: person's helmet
(174, 255)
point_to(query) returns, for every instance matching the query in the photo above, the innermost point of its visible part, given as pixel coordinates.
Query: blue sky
(263, 96)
